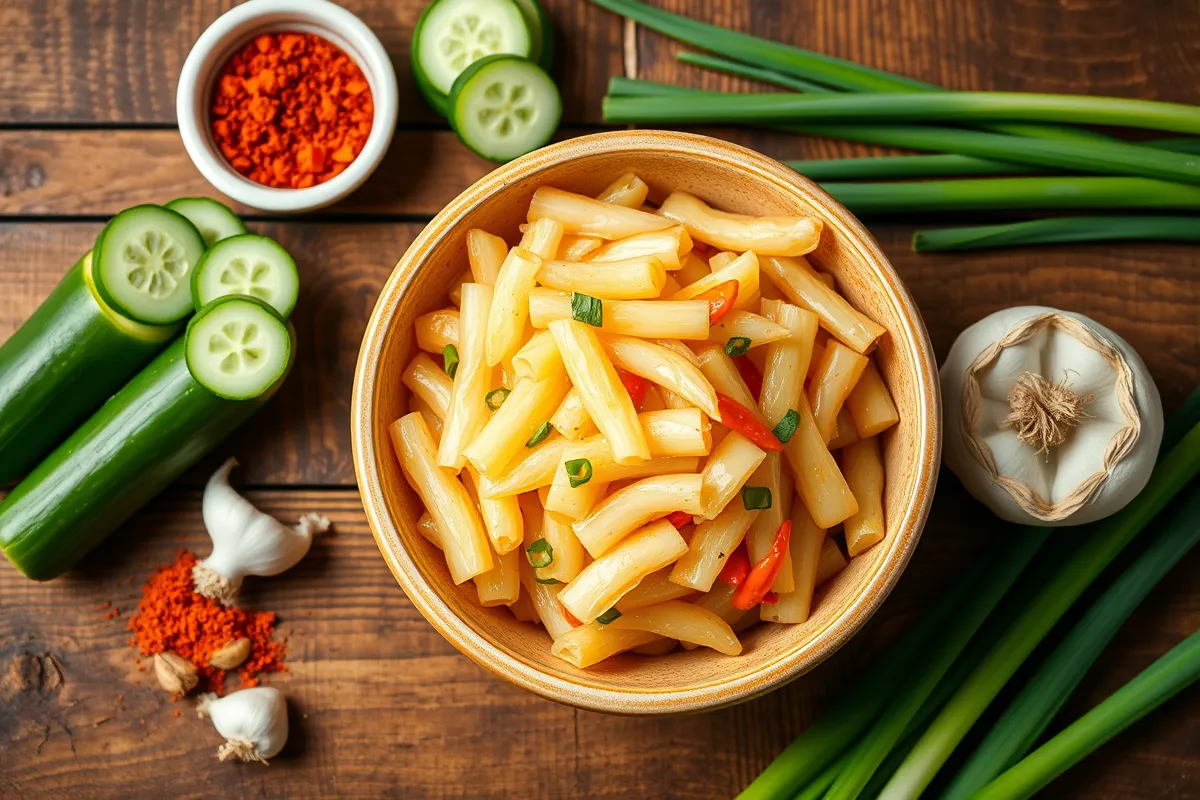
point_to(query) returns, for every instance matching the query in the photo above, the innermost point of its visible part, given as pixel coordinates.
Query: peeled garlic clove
(253, 721)
(175, 673)
(231, 655)
(245, 540)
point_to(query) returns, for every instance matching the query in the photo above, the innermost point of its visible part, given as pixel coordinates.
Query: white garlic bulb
(253, 721)
(1050, 417)
(245, 540)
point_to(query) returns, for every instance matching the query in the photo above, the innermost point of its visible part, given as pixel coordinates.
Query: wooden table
(383, 706)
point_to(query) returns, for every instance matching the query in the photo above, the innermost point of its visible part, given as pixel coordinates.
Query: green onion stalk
(1118, 158)
(1024, 721)
(920, 107)
(807, 65)
(740, 70)
(998, 576)
(1161, 681)
(813, 756)
(884, 167)
(1059, 230)
(1105, 542)
(822, 742)
(982, 194)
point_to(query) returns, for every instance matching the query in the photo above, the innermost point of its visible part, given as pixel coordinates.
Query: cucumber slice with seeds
(214, 220)
(504, 106)
(143, 264)
(237, 347)
(541, 32)
(452, 34)
(256, 266)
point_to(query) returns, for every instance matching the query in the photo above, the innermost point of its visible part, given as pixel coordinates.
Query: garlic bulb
(1050, 417)
(253, 721)
(245, 540)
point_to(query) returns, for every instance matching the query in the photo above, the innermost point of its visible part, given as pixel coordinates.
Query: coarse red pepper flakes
(291, 110)
(172, 616)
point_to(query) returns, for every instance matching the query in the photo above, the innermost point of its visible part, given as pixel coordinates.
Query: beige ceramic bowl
(731, 178)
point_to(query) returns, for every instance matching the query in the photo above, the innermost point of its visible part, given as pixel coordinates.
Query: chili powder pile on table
(171, 616)
(290, 110)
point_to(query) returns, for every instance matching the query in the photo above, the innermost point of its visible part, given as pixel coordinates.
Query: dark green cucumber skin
(59, 367)
(138, 443)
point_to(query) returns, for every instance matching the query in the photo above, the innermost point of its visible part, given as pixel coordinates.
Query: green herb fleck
(450, 359)
(579, 471)
(756, 498)
(737, 345)
(586, 309)
(786, 428)
(609, 616)
(539, 435)
(540, 554)
(495, 398)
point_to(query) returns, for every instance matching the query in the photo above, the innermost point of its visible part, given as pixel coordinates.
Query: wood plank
(302, 435)
(1090, 46)
(118, 61)
(380, 701)
(86, 172)
(1146, 294)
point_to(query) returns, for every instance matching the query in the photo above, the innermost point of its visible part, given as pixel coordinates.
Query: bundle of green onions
(924, 695)
(984, 134)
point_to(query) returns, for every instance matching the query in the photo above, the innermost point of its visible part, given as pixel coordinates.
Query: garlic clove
(253, 721)
(245, 540)
(231, 655)
(175, 673)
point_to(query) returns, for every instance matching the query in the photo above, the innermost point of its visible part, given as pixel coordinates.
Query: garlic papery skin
(253, 721)
(245, 540)
(1089, 410)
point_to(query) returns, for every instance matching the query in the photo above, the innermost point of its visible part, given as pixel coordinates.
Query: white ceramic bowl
(229, 33)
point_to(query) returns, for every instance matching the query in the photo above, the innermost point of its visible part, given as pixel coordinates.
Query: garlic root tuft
(1044, 413)
(240, 749)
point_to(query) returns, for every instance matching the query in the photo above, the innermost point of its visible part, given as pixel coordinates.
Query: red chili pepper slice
(635, 385)
(571, 618)
(750, 375)
(737, 417)
(737, 567)
(758, 583)
(679, 519)
(720, 300)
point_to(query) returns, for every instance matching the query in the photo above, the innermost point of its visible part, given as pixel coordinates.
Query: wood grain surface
(381, 704)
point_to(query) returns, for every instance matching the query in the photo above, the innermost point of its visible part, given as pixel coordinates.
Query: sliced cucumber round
(541, 32)
(143, 263)
(214, 220)
(256, 266)
(452, 34)
(504, 106)
(237, 347)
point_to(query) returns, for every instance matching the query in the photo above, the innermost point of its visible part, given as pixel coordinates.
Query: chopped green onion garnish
(787, 426)
(756, 498)
(495, 398)
(608, 616)
(586, 309)
(737, 345)
(541, 433)
(450, 359)
(540, 554)
(548, 581)
(579, 471)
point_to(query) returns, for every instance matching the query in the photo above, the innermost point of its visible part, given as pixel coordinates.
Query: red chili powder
(171, 616)
(290, 110)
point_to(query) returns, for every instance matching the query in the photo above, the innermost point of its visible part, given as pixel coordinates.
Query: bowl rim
(240, 24)
(508, 664)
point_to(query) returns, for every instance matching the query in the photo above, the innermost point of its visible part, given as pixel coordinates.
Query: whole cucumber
(62, 364)
(139, 442)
